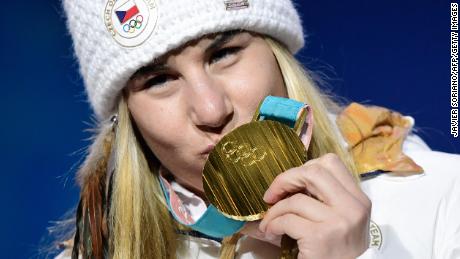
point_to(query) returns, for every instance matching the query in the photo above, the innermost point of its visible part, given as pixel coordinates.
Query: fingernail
(270, 237)
(262, 227)
(267, 197)
(259, 234)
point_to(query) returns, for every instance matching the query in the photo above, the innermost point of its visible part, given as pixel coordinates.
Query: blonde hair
(139, 222)
(301, 87)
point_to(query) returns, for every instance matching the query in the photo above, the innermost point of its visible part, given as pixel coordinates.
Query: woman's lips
(208, 149)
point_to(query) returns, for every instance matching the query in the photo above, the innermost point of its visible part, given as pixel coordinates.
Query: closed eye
(223, 53)
(159, 80)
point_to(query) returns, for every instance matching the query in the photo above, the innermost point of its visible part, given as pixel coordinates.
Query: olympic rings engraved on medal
(133, 24)
(242, 153)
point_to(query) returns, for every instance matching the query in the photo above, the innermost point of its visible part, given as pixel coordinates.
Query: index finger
(337, 168)
(309, 178)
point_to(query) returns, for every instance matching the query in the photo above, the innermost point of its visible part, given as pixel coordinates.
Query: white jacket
(417, 216)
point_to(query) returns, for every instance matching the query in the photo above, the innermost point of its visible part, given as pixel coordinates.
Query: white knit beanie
(114, 38)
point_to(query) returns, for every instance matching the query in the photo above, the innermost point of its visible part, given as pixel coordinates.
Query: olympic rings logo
(242, 153)
(133, 24)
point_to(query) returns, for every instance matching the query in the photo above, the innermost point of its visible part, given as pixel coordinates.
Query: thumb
(251, 229)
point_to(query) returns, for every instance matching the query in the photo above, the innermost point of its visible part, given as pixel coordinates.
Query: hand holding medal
(263, 163)
(244, 163)
(333, 224)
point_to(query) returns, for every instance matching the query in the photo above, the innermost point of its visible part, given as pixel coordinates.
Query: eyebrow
(221, 40)
(158, 65)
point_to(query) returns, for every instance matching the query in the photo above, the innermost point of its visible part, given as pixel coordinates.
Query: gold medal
(244, 163)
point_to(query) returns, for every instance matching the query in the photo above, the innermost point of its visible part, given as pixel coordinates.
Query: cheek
(154, 122)
(271, 75)
(256, 79)
(272, 78)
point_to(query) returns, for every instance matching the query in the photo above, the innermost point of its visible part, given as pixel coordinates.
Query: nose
(210, 106)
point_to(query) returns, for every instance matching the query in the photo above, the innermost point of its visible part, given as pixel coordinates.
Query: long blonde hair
(301, 87)
(138, 219)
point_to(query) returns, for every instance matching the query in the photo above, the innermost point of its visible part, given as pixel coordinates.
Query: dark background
(389, 53)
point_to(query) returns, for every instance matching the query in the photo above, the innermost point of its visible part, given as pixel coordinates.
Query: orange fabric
(375, 136)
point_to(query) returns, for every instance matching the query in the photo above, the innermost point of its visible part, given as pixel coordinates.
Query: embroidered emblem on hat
(375, 235)
(236, 4)
(130, 22)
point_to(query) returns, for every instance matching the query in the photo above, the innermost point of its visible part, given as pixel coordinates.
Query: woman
(167, 80)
